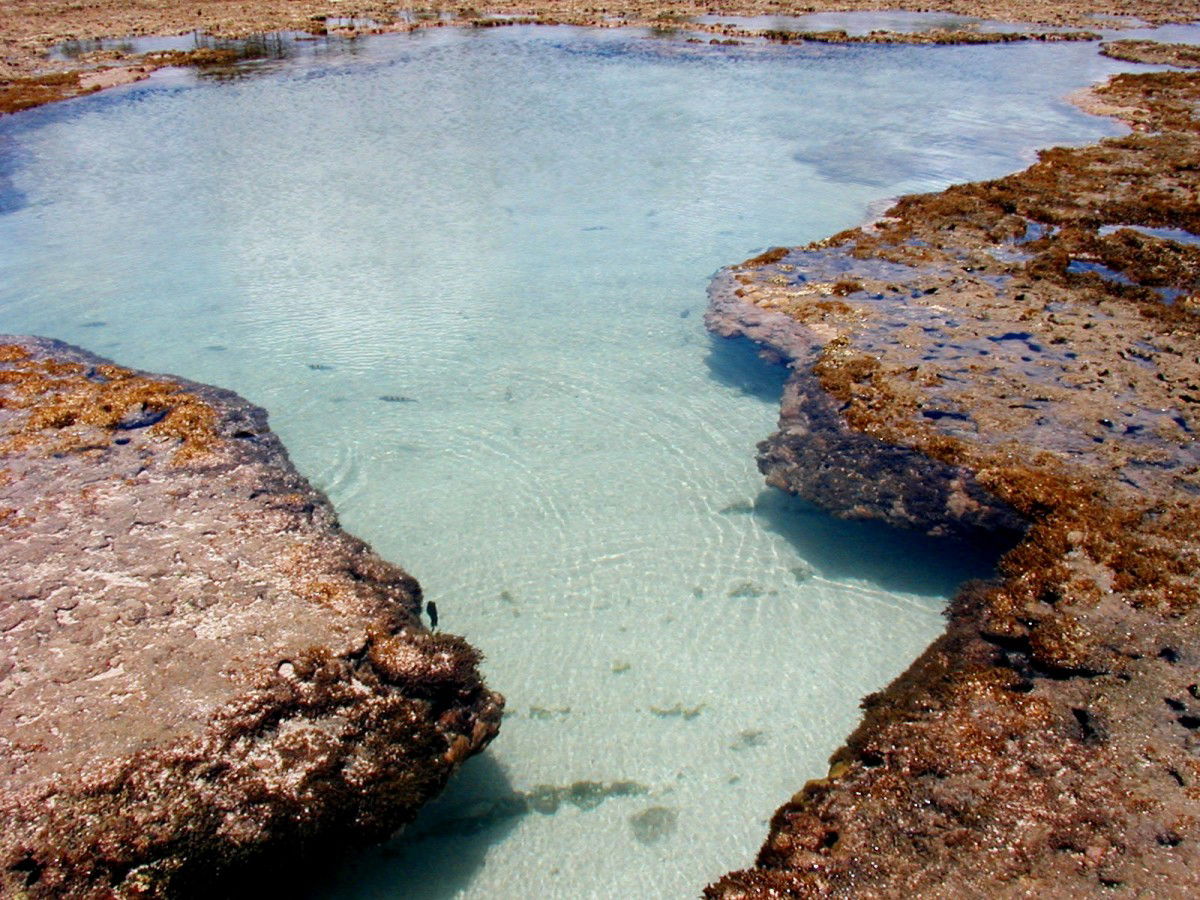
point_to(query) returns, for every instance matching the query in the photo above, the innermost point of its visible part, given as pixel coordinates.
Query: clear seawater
(465, 272)
(864, 22)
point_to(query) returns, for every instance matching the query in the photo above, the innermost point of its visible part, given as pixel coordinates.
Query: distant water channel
(465, 272)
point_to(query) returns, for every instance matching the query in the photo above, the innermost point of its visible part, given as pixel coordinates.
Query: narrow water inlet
(465, 273)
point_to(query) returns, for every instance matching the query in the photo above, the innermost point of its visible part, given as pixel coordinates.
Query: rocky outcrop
(817, 456)
(1184, 55)
(199, 666)
(1034, 341)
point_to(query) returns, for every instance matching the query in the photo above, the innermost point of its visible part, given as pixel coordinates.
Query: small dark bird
(431, 609)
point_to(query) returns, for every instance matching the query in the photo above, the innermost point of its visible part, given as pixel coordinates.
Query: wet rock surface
(199, 667)
(1010, 352)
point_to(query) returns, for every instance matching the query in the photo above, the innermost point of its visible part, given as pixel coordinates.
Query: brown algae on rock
(1184, 55)
(30, 29)
(1010, 361)
(199, 666)
(72, 407)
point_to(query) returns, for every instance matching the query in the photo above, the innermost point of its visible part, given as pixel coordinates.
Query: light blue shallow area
(863, 22)
(508, 235)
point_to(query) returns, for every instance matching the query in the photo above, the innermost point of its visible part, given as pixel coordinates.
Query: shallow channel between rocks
(465, 272)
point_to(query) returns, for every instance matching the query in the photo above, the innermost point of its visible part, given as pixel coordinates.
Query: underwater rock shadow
(888, 557)
(738, 363)
(12, 199)
(434, 858)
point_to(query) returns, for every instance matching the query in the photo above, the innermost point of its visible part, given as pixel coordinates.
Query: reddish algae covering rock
(198, 665)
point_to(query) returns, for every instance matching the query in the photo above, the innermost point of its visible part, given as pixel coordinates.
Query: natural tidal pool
(465, 272)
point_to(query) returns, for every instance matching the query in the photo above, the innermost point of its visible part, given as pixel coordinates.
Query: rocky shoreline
(200, 667)
(817, 456)
(1026, 350)
(1015, 358)
(226, 32)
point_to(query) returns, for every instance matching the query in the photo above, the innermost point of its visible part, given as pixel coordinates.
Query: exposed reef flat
(1024, 346)
(199, 667)
(1185, 56)
(938, 36)
(29, 29)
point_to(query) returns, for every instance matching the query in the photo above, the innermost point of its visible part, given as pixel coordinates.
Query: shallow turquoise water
(465, 273)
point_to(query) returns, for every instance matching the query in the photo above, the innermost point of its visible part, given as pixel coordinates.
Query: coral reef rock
(1020, 355)
(199, 666)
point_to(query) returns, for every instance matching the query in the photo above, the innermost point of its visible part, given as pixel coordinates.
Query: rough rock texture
(198, 665)
(1184, 55)
(852, 474)
(1035, 339)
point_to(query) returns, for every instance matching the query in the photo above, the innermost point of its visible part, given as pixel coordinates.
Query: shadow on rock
(434, 858)
(739, 364)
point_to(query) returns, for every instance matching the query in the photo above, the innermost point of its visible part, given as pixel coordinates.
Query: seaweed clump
(71, 407)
